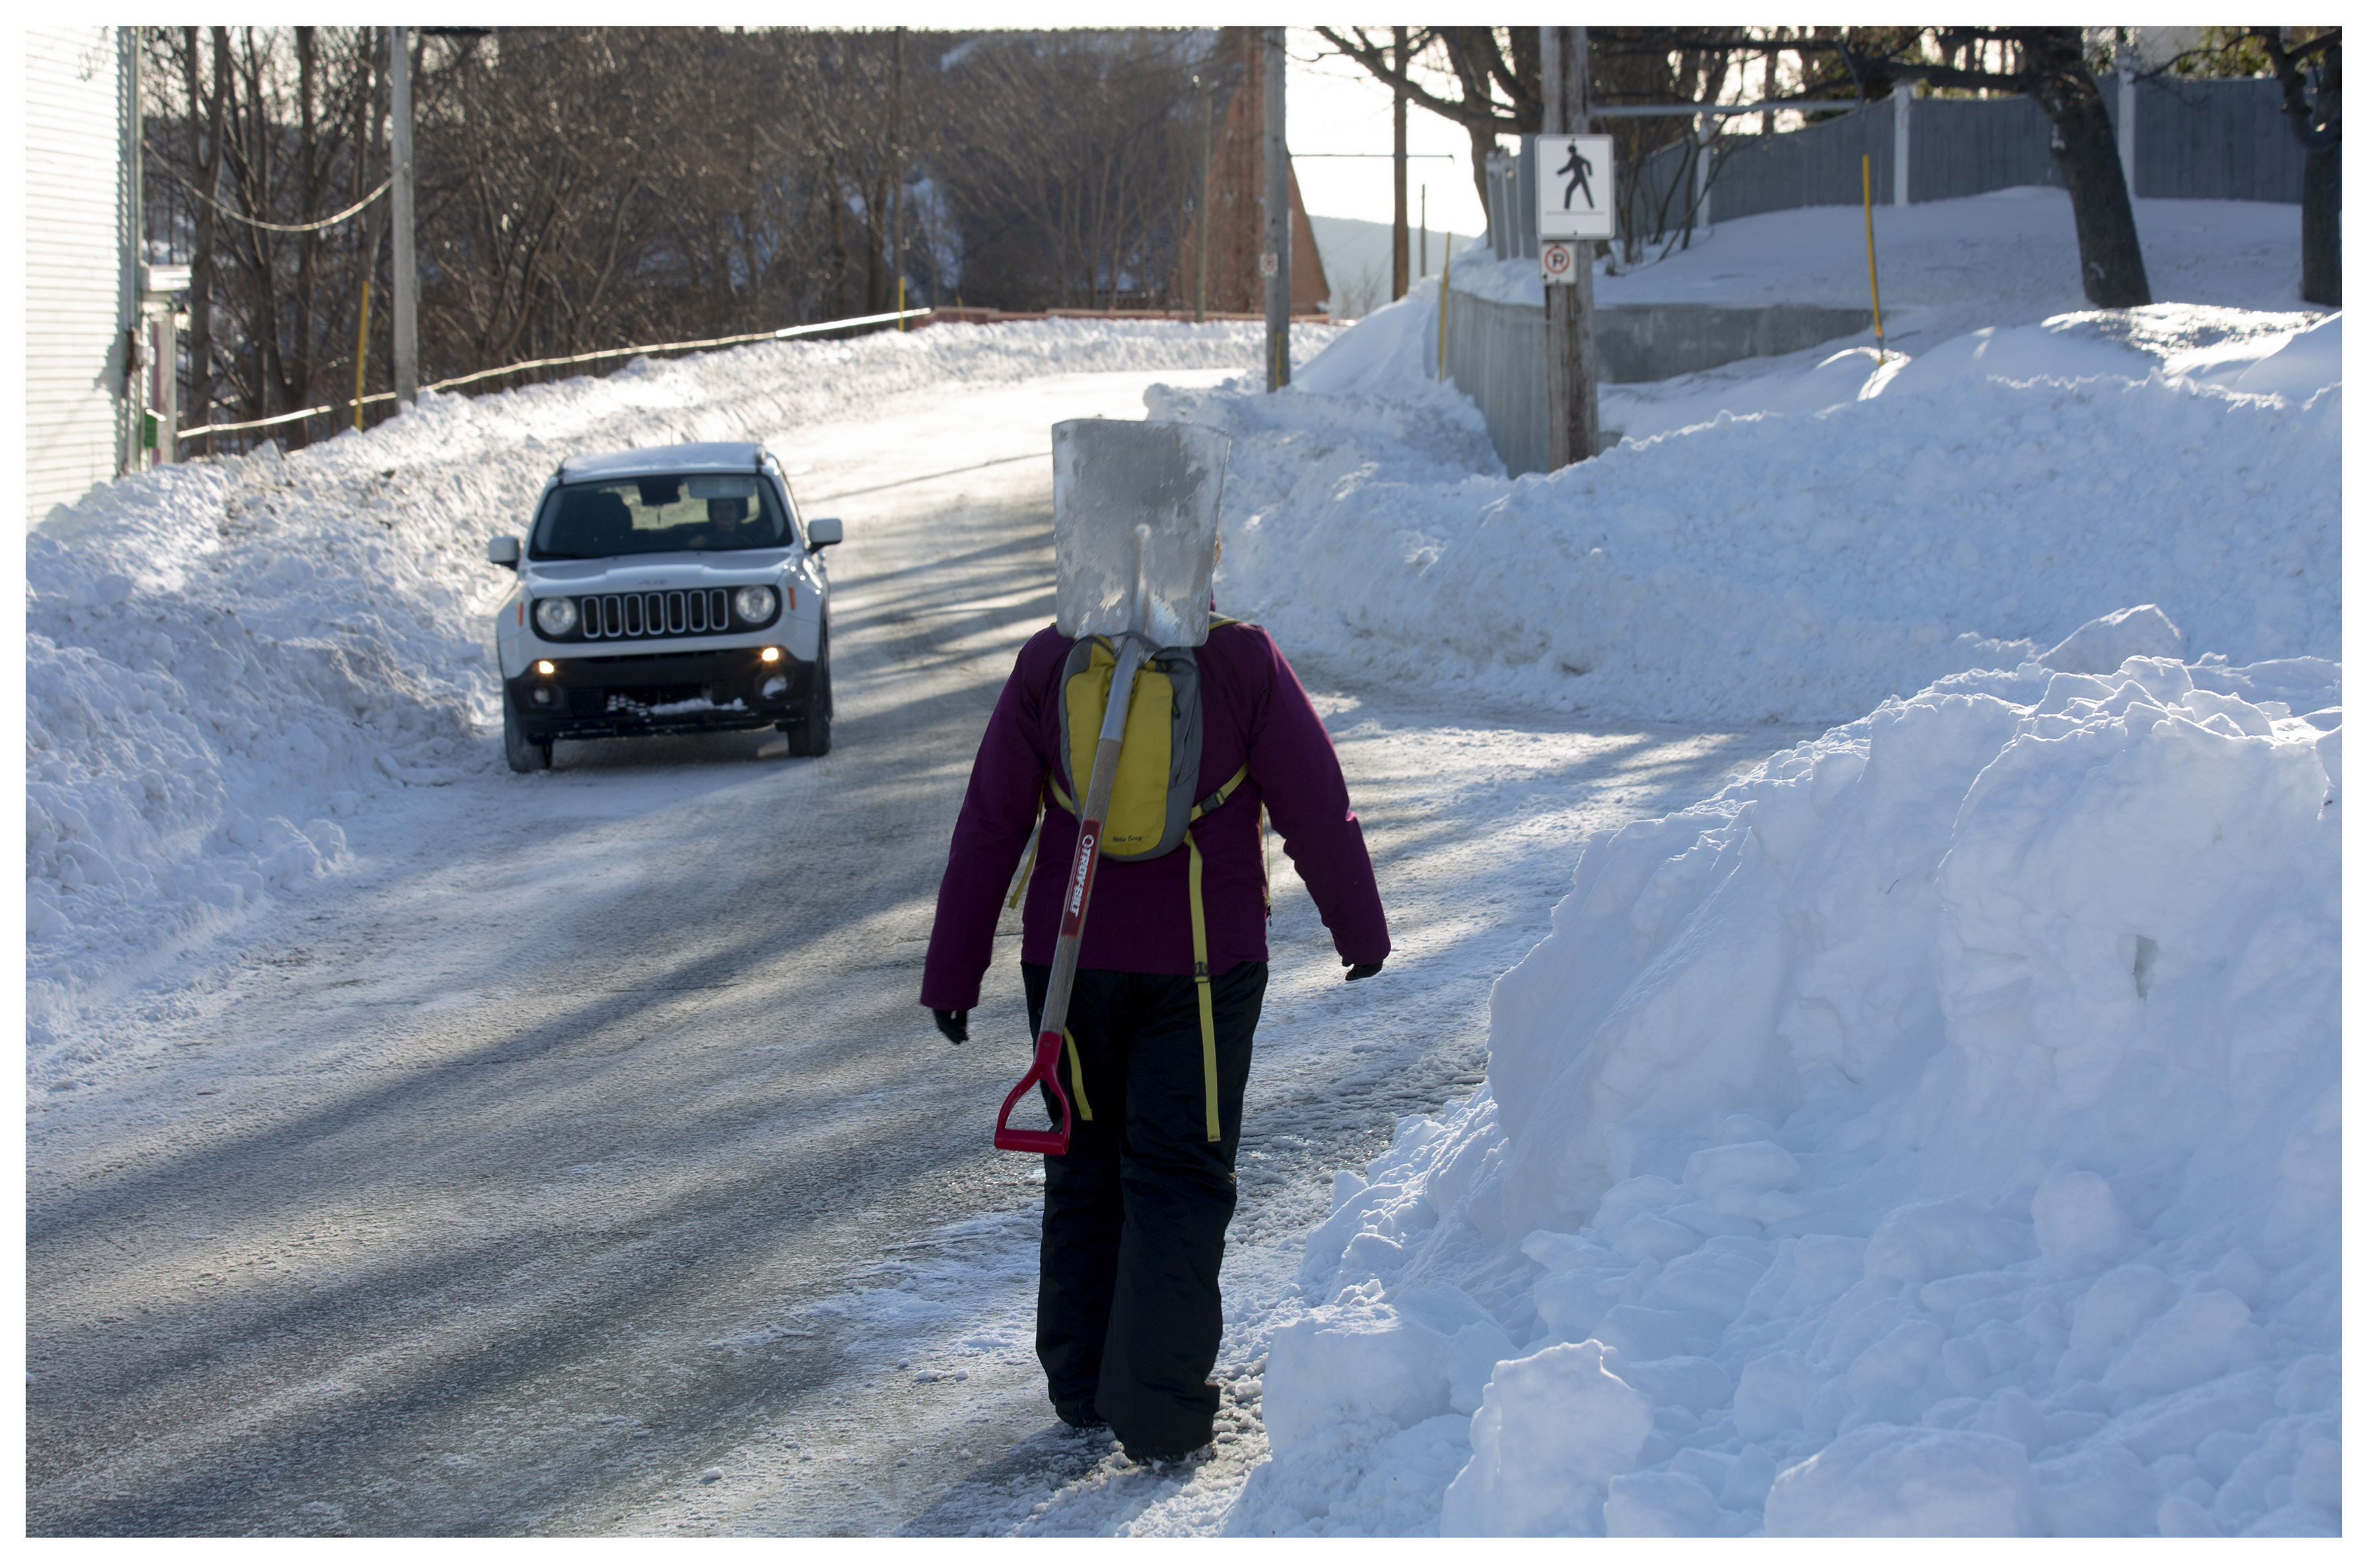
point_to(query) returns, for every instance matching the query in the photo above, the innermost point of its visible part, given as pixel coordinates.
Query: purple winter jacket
(1257, 716)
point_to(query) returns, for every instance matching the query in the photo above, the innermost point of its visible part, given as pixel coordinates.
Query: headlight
(556, 617)
(755, 604)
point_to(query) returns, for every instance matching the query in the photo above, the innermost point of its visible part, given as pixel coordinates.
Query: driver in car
(725, 526)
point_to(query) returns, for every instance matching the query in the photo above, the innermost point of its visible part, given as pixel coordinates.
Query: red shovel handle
(1056, 1139)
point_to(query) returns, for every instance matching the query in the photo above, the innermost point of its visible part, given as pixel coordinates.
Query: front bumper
(598, 696)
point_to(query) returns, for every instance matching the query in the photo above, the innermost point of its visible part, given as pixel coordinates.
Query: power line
(279, 228)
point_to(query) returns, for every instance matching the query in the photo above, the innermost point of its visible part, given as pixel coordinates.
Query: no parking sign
(1560, 261)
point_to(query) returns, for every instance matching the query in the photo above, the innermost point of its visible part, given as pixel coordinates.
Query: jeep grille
(678, 613)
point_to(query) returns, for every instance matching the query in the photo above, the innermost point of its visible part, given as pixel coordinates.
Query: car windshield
(651, 513)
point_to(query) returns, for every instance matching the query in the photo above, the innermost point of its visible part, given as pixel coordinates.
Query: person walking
(1135, 1211)
(1579, 169)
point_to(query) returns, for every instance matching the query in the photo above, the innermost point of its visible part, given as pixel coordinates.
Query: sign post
(1576, 188)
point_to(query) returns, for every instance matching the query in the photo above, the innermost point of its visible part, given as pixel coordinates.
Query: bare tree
(2315, 110)
(591, 189)
(204, 130)
(1497, 73)
(1067, 158)
(2051, 64)
(264, 137)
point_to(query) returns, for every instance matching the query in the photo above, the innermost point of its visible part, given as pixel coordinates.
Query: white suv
(662, 591)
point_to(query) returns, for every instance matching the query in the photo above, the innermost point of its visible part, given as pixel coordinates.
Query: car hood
(627, 574)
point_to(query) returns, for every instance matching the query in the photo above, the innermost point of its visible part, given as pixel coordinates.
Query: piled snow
(1801, 544)
(1938, 1131)
(2291, 354)
(224, 659)
(1946, 267)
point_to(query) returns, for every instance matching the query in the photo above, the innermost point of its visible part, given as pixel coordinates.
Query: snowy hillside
(1357, 255)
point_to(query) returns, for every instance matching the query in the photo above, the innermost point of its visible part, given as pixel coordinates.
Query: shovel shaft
(1130, 654)
(1078, 881)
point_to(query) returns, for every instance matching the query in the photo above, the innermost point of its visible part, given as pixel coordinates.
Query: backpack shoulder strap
(1212, 802)
(1197, 951)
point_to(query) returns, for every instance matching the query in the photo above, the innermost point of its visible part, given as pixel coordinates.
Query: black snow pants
(1131, 1234)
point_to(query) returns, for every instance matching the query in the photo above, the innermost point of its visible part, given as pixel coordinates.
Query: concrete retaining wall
(1495, 354)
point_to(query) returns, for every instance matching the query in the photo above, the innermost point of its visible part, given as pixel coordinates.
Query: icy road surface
(581, 1161)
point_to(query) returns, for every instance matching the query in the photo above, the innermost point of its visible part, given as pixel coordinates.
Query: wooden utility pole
(1569, 367)
(1204, 86)
(1278, 231)
(404, 273)
(376, 225)
(898, 182)
(1402, 213)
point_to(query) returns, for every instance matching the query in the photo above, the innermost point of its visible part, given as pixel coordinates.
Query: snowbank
(1947, 266)
(1936, 1131)
(226, 659)
(1801, 544)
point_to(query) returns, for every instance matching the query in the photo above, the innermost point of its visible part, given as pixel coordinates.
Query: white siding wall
(79, 294)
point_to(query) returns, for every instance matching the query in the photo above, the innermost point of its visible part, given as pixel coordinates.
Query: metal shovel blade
(1115, 477)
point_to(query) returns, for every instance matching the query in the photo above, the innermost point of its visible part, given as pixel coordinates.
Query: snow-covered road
(586, 1139)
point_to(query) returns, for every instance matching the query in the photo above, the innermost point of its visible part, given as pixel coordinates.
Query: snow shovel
(1138, 508)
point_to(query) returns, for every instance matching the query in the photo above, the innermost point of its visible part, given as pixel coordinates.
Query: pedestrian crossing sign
(1576, 187)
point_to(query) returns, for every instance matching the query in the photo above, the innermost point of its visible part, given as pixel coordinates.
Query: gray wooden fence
(2221, 140)
(2224, 141)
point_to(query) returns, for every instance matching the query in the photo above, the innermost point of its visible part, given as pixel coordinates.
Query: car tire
(524, 754)
(812, 733)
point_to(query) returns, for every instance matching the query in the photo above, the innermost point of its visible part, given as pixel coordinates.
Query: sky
(1333, 105)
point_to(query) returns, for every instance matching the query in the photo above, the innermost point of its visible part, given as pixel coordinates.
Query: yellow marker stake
(363, 342)
(1872, 269)
(903, 277)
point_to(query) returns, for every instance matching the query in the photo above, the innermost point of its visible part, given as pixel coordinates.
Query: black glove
(1363, 971)
(951, 1024)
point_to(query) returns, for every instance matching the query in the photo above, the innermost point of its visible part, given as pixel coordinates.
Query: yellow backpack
(1163, 742)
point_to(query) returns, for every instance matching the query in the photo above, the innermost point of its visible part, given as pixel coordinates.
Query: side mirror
(504, 550)
(824, 531)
